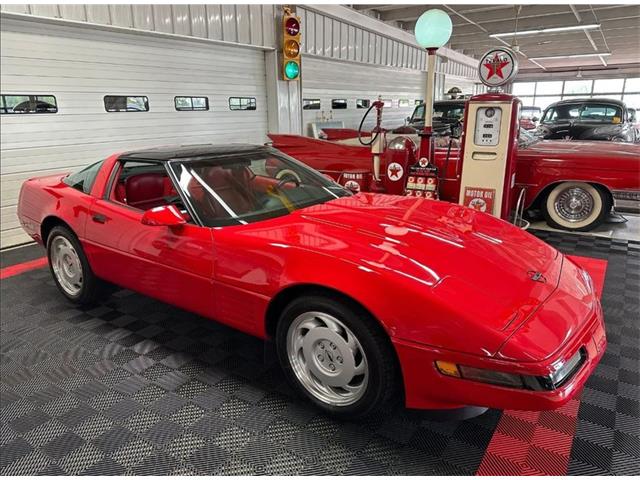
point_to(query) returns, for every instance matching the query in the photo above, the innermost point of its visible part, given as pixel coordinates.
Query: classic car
(588, 119)
(446, 113)
(574, 185)
(369, 298)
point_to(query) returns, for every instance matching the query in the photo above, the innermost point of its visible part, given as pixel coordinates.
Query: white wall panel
(73, 12)
(242, 22)
(142, 17)
(80, 65)
(229, 24)
(162, 18)
(121, 16)
(198, 20)
(327, 79)
(45, 10)
(98, 14)
(214, 21)
(181, 19)
(255, 25)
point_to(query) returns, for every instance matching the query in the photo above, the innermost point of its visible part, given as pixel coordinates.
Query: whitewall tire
(576, 206)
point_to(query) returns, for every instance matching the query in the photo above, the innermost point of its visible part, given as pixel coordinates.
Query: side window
(191, 103)
(28, 104)
(550, 115)
(363, 103)
(339, 103)
(83, 179)
(144, 185)
(403, 103)
(242, 103)
(124, 103)
(311, 104)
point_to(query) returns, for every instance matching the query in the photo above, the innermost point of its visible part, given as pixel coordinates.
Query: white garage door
(328, 80)
(80, 65)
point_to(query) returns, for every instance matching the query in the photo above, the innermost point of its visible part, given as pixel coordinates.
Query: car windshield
(244, 188)
(444, 111)
(594, 112)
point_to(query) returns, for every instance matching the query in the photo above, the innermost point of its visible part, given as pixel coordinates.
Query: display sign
(422, 181)
(480, 199)
(498, 67)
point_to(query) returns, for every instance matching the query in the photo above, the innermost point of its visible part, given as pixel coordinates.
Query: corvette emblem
(395, 171)
(537, 276)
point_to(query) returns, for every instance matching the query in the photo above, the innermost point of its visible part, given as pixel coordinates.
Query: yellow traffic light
(290, 45)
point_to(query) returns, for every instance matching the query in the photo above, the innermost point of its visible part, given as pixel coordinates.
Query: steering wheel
(286, 179)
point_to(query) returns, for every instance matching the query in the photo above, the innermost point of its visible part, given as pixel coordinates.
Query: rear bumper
(426, 388)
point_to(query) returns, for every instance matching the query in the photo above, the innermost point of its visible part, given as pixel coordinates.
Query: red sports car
(369, 298)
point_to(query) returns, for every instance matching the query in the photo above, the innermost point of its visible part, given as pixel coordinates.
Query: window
(524, 88)
(242, 103)
(339, 103)
(632, 85)
(577, 87)
(363, 103)
(144, 185)
(549, 88)
(83, 179)
(311, 104)
(601, 113)
(191, 103)
(607, 85)
(388, 103)
(124, 103)
(403, 103)
(28, 104)
(418, 101)
(632, 100)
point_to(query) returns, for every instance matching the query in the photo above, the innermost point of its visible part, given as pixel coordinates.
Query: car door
(172, 264)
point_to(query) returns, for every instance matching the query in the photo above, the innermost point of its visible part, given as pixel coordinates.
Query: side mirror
(408, 119)
(163, 216)
(534, 119)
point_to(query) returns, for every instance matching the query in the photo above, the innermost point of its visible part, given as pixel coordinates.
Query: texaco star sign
(498, 67)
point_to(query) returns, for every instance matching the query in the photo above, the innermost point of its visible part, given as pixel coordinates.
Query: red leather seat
(146, 190)
(233, 187)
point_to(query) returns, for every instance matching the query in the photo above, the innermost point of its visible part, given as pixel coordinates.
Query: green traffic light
(291, 70)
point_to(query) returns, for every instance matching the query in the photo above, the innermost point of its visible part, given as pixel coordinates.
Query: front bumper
(426, 388)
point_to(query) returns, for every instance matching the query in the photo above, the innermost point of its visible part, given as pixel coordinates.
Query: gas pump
(490, 139)
(377, 141)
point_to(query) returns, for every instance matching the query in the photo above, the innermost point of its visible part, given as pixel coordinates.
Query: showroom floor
(133, 386)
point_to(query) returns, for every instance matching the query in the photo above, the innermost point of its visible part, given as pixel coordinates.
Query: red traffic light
(293, 26)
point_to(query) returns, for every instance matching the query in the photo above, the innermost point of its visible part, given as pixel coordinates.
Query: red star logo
(495, 66)
(394, 171)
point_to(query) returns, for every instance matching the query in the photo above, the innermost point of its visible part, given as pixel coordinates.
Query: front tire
(576, 206)
(337, 356)
(70, 268)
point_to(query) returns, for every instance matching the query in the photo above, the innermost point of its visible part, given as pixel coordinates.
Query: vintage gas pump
(490, 139)
(376, 142)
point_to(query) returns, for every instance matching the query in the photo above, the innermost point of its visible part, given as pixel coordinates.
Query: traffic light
(290, 45)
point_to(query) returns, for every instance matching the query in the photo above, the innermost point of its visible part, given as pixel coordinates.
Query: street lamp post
(432, 31)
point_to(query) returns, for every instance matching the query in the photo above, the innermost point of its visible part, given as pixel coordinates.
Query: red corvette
(574, 184)
(369, 298)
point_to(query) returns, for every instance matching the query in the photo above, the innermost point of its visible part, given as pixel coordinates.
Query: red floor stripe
(538, 443)
(19, 268)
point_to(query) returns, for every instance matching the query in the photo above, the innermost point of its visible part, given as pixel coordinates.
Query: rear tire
(576, 206)
(337, 356)
(70, 268)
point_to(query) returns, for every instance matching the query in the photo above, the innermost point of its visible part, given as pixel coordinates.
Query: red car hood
(477, 265)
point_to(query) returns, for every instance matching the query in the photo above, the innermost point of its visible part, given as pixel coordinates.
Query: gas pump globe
(432, 31)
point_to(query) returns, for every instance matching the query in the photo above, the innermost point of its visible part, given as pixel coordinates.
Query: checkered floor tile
(132, 386)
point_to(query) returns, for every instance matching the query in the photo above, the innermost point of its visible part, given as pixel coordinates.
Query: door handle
(99, 218)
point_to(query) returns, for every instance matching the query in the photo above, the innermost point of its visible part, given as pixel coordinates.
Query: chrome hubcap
(66, 265)
(327, 358)
(574, 204)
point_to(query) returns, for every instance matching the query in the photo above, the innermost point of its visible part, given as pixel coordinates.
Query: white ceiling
(619, 33)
